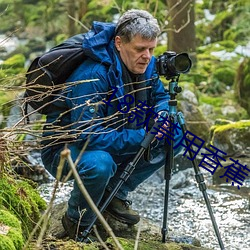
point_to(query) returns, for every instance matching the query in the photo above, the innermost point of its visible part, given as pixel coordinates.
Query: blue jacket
(89, 118)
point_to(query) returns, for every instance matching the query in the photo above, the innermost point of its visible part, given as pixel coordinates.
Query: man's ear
(118, 42)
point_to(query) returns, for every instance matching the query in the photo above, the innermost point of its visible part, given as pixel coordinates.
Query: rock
(206, 109)
(228, 110)
(20, 209)
(195, 121)
(222, 122)
(189, 96)
(182, 179)
(217, 176)
(232, 138)
(149, 238)
(10, 231)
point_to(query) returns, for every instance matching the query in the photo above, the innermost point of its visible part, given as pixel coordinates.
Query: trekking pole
(169, 162)
(125, 175)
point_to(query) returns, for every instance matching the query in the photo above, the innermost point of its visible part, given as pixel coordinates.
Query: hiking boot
(75, 231)
(121, 211)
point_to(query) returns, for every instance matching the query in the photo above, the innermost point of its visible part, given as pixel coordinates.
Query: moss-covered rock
(6, 243)
(128, 244)
(22, 200)
(11, 237)
(13, 70)
(150, 235)
(232, 138)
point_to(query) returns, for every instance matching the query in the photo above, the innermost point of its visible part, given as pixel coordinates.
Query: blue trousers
(99, 171)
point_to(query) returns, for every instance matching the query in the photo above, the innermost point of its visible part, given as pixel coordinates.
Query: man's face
(137, 53)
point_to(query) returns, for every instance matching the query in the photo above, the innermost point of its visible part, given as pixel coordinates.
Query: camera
(171, 65)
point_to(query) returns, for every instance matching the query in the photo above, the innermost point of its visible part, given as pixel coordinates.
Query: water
(187, 212)
(188, 215)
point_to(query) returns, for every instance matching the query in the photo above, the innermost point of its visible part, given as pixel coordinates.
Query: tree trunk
(71, 6)
(181, 27)
(83, 7)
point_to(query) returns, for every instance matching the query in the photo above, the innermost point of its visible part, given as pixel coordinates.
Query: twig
(77, 21)
(66, 154)
(45, 217)
(99, 238)
(137, 236)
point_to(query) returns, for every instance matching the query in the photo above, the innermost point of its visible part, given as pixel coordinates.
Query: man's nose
(146, 54)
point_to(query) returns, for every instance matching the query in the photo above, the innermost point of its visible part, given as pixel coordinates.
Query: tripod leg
(169, 163)
(200, 180)
(124, 176)
(164, 229)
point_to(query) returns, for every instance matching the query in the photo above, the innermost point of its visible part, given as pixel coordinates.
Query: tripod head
(174, 89)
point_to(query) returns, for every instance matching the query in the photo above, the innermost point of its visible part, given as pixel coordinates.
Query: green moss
(174, 246)
(212, 74)
(212, 100)
(219, 102)
(16, 237)
(222, 122)
(231, 134)
(160, 49)
(21, 199)
(90, 247)
(247, 81)
(16, 61)
(128, 244)
(220, 24)
(228, 45)
(13, 239)
(9, 219)
(236, 125)
(6, 243)
(225, 75)
(6, 96)
(13, 71)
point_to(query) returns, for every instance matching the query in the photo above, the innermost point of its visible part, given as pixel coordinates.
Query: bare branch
(66, 154)
(77, 21)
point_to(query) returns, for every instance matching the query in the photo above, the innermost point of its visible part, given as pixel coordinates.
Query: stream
(187, 212)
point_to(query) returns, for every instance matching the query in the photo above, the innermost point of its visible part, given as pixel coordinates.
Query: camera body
(171, 65)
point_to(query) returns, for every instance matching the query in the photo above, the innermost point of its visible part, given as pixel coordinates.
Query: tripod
(169, 162)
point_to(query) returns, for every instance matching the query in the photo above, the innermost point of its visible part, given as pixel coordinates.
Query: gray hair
(137, 22)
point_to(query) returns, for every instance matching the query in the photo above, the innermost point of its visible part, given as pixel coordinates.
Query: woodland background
(216, 34)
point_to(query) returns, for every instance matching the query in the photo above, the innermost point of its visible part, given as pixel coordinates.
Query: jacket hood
(98, 43)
